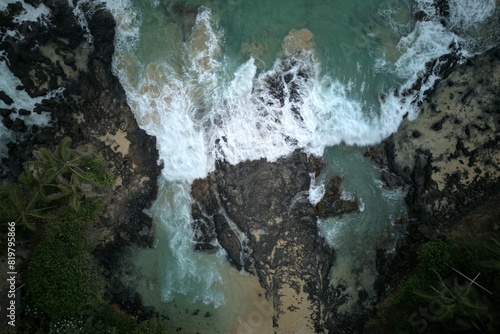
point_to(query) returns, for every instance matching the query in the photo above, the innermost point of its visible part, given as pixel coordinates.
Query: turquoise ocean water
(193, 72)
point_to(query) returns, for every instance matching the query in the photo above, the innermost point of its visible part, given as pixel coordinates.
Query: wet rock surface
(453, 163)
(93, 111)
(447, 160)
(259, 212)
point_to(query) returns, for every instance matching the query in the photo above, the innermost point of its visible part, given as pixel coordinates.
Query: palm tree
(64, 166)
(53, 175)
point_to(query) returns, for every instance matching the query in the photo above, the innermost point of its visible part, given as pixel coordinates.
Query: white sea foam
(465, 14)
(187, 272)
(39, 14)
(199, 113)
(316, 190)
(80, 16)
(21, 100)
(429, 40)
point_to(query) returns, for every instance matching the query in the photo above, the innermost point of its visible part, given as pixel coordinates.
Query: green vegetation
(60, 194)
(152, 326)
(58, 177)
(437, 299)
(61, 274)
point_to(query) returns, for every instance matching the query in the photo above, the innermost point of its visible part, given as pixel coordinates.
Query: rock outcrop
(449, 158)
(259, 212)
(92, 110)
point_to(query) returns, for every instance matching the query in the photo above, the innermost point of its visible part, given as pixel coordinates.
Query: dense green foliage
(436, 298)
(64, 189)
(61, 274)
(56, 177)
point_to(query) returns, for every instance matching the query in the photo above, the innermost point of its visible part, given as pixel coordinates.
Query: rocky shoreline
(448, 161)
(93, 111)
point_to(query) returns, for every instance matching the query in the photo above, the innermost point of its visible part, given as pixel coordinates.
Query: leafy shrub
(463, 307)
(62, 279)
(110, 319)
(100, 175)
(153, 326)
(59, 176)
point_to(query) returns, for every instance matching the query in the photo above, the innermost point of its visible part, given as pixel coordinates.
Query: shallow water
(195, 73)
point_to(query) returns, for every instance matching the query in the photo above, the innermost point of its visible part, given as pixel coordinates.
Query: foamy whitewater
(9, 82)
(243, 80)
(199, 113)
(207, 95)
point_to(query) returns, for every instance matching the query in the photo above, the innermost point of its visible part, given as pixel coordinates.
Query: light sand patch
(50, 52)
(118, 142)
(255, 314)
(79, 117)
(257, 234)
(143, 180)
(118, 183)
(296, 311)
(459, 105)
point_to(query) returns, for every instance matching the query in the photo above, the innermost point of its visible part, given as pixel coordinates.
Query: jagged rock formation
(449, 158)
(260, 213)
(92, 110)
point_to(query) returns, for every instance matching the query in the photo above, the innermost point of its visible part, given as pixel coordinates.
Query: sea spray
(21, 100)
(220, 86)
(10, 84)
(184, 270)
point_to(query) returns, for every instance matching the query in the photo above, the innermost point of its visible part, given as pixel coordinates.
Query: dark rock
(6, 98)
(105, 111)
(363, 295)
(439, 125)
(317, 165)
(265, 230)
(420, 16)
(17, 125)
(332, 204)
(45, 137)
(24, 112)
(392, 180)
(442, 7)
(6, 112)
(378, 154)
(70, 61)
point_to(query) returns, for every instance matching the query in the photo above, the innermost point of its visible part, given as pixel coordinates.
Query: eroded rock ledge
(259, 212)
(448, 160)
(92, 110)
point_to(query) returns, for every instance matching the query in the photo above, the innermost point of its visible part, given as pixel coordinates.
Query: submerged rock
(334, 203)
(298, 41)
